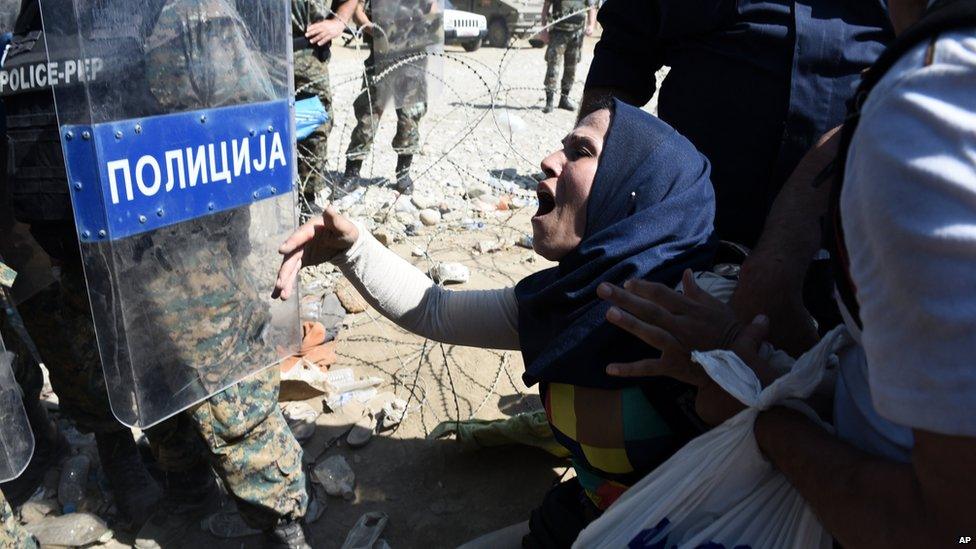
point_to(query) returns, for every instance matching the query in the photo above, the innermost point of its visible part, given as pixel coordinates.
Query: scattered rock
(35, 510)
(488, 246)
(337, 477)
(383, 236)
(526, 241)
(477, 190)
(444, 208)
(72, 530)
(430, 217)
(349, 297)
(417, 252)
(423, 202)
(450, 273)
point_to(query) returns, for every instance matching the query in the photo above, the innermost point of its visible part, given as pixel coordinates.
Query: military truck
(506, 18)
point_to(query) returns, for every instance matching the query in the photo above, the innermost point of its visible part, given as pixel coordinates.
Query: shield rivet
(69, 136)
(118, 134)
(142, 219)
(255, 194)
(274, 190)
(203, 119)
(86, 135)
(102, 233)
(211, 206)
(254, 132)
(77, 185)
(160, 212)
(85, 234)
(270, 129)
(138, 128)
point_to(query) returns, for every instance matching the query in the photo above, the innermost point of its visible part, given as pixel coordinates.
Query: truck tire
(498, 33)
(472, 45)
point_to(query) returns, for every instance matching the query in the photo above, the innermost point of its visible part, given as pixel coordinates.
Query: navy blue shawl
(649, 215)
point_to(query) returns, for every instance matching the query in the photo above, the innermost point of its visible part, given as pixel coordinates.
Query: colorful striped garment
(615, 436)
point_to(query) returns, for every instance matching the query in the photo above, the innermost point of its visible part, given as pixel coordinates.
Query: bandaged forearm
(408, 297)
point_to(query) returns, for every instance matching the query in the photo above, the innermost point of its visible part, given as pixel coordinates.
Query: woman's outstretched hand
(314, 242)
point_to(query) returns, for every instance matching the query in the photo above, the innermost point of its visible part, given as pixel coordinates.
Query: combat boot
(550, 105)
(288, 534)
(136, 493)
(189, 496)
(404, 183)
(353, 167)
(566, 103)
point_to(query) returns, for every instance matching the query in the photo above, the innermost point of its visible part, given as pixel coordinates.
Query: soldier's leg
(574, 49)
(406, 142)
(60, 322)
(12, 534)
(254, 451)
(554, 54)
(368, 111)
(312, 79)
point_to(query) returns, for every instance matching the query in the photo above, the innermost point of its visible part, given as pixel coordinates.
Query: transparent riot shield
(178, 136)
(16, 438)
(408, 38)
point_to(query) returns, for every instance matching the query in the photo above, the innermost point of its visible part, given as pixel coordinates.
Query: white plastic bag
(719, 491)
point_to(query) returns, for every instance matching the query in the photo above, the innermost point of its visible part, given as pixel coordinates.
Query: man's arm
(627, 55)
(771, 280)
(865, 501)
(590, 20)
(324, 31)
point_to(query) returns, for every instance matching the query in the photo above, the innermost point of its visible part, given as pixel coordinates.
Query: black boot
(351, 174)
(188, 497)
(136, 493)
(566, 103)
(288, 534)
(550, 97)
(404, 183)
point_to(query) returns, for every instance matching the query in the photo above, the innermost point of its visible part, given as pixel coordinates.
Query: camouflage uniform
(565, 43)
(312, 79)
(252, 447)
(12, 534)
(408, 84)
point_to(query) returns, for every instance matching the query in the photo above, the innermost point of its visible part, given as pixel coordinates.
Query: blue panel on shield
(137, 175)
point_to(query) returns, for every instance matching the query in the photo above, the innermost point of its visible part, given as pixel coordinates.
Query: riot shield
(16, 438)
(178, 136)
(408, 38)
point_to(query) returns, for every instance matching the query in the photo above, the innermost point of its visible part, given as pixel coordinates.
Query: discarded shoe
(366, 531)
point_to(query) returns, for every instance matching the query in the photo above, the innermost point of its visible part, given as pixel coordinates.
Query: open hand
(314, 242)
(322, 32)
(673, 323)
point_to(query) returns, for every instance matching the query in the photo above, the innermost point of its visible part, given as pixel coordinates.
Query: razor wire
(415, 366)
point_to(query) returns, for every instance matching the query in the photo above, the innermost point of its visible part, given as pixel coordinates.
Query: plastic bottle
(74, 479)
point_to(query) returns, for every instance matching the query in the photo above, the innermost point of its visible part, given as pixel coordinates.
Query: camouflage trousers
(368, 109)
(566, 47)
(12, 534)
(241, 428)
(312, 79)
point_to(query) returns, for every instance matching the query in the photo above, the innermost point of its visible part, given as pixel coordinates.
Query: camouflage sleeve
(200, 55)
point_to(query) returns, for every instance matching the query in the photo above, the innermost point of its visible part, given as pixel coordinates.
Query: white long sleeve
(408, 297)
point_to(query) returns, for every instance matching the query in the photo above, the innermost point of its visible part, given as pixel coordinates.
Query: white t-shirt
(909, 213)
